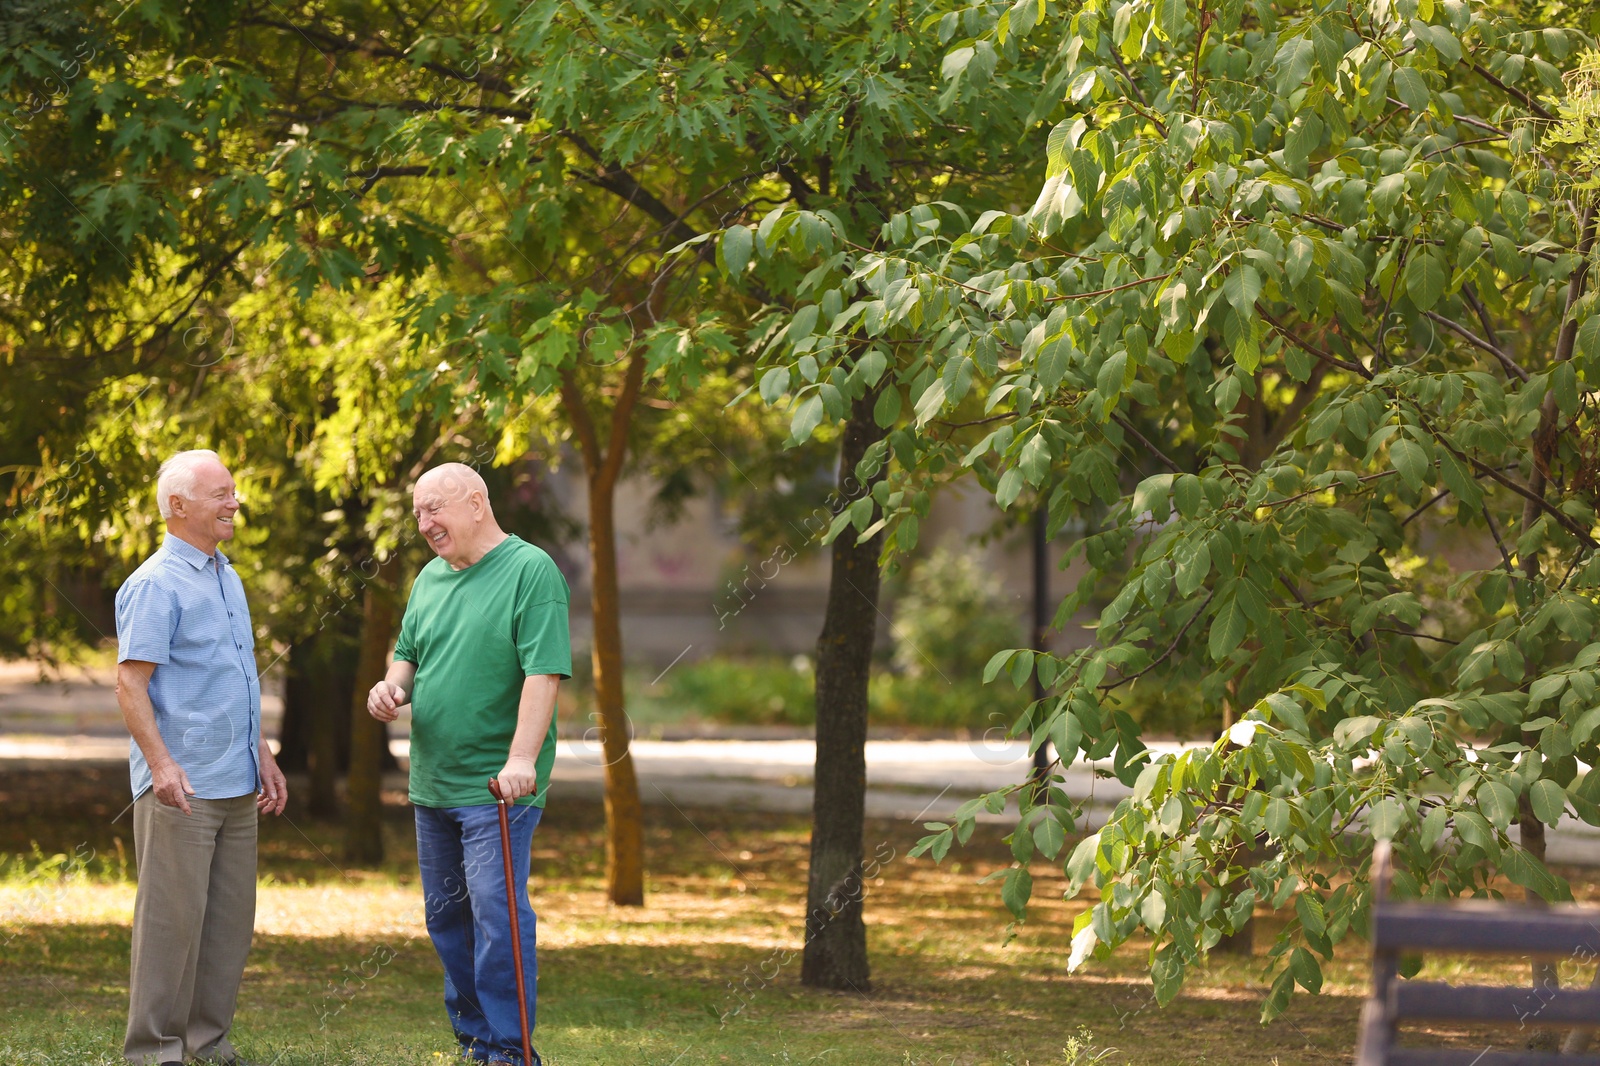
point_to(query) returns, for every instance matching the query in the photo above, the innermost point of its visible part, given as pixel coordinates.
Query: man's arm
(393, 692)
(169, 782)
(535, 710)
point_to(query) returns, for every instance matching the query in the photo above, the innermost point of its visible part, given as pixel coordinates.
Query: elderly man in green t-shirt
(482, 650)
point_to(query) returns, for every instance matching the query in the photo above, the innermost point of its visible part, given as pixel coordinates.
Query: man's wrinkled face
(445, 516)
(209, 514)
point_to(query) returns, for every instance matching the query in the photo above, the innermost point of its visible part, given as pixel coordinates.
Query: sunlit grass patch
(707, 972)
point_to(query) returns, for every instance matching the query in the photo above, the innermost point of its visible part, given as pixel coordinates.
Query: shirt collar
(189, 553)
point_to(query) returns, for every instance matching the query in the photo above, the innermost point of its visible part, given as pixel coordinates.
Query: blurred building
(692, 588)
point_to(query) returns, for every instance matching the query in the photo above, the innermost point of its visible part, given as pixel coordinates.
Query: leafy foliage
(951, 617)
(1301, 315)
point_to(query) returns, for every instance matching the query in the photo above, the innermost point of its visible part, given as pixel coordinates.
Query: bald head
(454, 480)
(451, 505)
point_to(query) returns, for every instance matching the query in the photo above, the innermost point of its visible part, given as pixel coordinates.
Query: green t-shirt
(475, 634)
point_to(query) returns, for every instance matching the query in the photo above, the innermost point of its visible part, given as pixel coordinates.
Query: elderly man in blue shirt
(188, 689)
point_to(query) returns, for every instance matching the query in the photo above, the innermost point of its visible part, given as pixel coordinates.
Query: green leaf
(1227, 629)
(1302, 254)
(774, 383)
(1186, 494)
(1169, 18)
(1412, 461)
(1009, 488)
(1015, 891)
(1278, 818)
(1588, 343)
(1243, 287)
(1035, 460)
(1057, 146)
(1153, 911)
(1498, 804)
(1473, 828)
(1294, 61)
(1523, 869)
(887, 408)
(1387, 818)
(1022, 667)
(734, 249)
(1278, 996)
(1549, 800)
(1083, 861)
(1387, 192)
(1410, 87)
(1049, 835)
(996, 663)
(1433, 827)
(807, 417)
(1152, 495)
(1166, 974)
(1307, 971)
(1194, 563)
(1564, 385)
(1425, 279)
(931, 402)
(956, 62)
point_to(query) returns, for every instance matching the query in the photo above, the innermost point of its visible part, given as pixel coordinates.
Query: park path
(76, 721)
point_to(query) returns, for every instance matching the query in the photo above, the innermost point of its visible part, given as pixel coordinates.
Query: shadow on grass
(708, 973)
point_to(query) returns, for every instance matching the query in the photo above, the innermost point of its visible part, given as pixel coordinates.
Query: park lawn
(707, 972)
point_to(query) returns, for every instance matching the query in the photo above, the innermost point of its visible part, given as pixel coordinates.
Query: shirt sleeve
(147, 621)
(405, 645)
(544, 642)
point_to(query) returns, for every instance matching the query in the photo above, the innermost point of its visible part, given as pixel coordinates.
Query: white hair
(177, 477)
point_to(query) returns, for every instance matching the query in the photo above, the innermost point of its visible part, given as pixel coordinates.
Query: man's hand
(385, 700)
(274, 792)
(517, 778)
(171, 785)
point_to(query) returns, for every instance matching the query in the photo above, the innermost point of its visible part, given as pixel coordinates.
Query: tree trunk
(369, 738)
(835, 953)
(624, 814)
(294, 734)
(316, 694)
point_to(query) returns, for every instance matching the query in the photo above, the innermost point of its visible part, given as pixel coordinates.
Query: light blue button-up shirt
(185, 611)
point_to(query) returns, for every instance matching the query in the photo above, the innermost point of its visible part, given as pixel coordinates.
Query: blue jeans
(464, 896)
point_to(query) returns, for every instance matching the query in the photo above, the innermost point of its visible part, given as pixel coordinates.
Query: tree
(594, 144)
(304, 401)
(1305, 305)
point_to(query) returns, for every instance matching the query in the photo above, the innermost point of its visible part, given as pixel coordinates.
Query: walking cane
(516, 930)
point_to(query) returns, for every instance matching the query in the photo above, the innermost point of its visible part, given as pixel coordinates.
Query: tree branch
(582, 421)
(1311, 349)
(1527, 101)
(1539, 502)
(1158, 660)
(1495, 350)
(621, 415)
(1151, 448)
(1097, 292)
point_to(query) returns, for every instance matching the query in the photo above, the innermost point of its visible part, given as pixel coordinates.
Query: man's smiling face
(210, 512)
(445, 516)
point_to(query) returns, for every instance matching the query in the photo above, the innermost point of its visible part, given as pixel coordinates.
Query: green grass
(342, 972)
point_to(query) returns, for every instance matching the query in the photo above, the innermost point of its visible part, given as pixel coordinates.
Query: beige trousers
(192, 920)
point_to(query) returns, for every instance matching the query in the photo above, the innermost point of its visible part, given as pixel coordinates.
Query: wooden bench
(1565, 931)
